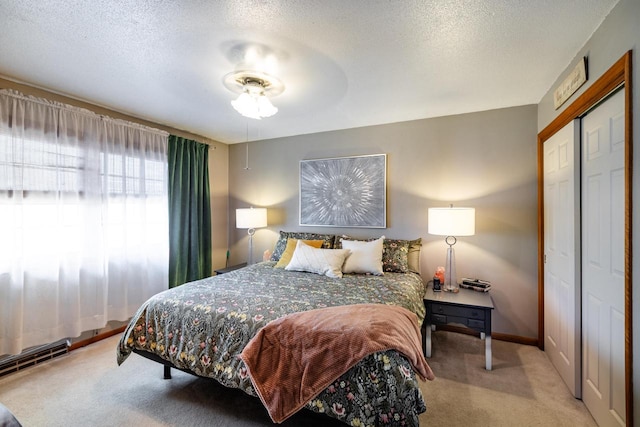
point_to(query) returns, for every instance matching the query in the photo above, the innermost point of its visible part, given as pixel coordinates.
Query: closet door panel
(561, 250)
(603, 255)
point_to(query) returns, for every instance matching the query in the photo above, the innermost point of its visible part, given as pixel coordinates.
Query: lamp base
(251, 232)
(450, 280)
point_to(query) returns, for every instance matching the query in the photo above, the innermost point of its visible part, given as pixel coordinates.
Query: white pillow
(320, 261)
(366, 257)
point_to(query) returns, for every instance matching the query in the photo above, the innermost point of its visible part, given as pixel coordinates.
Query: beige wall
(219, 189)
(486, 160)
(619, 33)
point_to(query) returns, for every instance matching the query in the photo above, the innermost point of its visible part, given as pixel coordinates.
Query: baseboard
(495, 335)
(99, 337)
(515, 338)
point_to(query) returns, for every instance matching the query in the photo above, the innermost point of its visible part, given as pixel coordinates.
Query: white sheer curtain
(83, 220)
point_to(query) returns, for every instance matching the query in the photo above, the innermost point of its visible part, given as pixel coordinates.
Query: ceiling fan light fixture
(246, 106)
(253, 87)
(266, 108)
(253, 103)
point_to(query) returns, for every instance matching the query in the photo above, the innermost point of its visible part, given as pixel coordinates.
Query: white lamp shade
(452, 221)
(247, 106)
(265, 107)
(254, 106)
(251, 218)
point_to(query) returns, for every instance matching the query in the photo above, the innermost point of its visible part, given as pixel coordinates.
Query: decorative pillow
(291, 247)
(338, 242)
(320, 261)
(413, 257)
(366, 257)
(394, 257)
(398, 256)
(281, 244)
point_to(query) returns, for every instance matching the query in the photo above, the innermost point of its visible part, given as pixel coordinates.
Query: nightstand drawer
(476, 324)
(439, 318)
(449, 310)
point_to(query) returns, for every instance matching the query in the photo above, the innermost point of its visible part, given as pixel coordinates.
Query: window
(83, 215)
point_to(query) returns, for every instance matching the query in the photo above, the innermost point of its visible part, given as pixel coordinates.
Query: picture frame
(344, 192)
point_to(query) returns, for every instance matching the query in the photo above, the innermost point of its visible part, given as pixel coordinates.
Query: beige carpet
(87, 388)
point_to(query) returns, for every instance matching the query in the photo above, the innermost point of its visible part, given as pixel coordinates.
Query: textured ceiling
(344, 63)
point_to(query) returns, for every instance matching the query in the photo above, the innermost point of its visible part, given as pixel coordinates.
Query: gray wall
(485, 160)
(619, 33)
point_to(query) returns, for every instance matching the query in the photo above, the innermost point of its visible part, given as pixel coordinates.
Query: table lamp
(251, 218)
(451, 222)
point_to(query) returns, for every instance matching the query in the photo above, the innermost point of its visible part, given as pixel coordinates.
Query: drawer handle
(440, 310)
(474, 314)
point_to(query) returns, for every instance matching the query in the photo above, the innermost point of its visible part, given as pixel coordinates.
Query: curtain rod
(62, 106)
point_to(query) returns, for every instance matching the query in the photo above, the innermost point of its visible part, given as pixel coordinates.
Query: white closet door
(603, 270)
(562, 254)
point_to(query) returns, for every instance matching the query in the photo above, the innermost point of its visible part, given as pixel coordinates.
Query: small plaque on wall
(571, 83)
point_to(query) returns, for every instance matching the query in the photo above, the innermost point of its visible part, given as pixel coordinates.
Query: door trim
(619, 74)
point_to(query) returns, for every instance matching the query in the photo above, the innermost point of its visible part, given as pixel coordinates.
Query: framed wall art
(344, 191)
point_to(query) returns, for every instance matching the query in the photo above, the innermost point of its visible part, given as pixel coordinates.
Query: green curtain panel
(189, 211)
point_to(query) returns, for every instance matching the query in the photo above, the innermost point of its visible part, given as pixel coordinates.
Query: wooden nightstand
(231, 268)
(467, 307)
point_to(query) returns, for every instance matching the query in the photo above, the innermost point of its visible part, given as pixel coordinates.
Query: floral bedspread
(203, 326)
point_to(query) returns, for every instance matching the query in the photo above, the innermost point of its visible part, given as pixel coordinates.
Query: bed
(202, 327)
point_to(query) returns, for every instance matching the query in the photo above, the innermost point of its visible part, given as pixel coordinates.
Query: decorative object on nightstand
(451, 222)
(251, 218)
(476, 284)
(436, 284)
(438, 279)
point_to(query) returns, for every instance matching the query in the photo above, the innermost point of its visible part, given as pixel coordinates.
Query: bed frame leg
(167, 372)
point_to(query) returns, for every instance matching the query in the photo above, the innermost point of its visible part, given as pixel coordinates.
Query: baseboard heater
(32, 356)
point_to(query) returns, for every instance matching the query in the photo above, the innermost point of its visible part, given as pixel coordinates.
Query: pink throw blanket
(292, 359)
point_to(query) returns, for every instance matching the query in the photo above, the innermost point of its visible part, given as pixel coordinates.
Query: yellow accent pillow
(285, 258)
